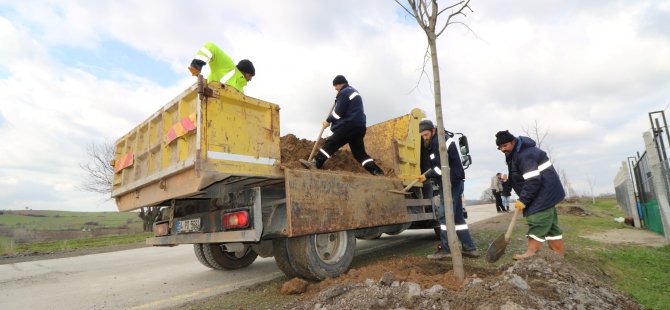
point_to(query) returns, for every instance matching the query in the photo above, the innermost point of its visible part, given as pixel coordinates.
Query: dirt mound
(293, 149)
(543, 282)
(573, 210)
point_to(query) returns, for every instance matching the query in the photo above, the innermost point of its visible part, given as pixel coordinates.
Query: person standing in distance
(539, 188)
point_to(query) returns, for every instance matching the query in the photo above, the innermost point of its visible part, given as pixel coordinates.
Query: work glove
(325, 124)
(196, 66)
(519, 205)
(421, 178)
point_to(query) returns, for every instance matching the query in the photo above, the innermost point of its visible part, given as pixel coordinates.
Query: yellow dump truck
(211, 159)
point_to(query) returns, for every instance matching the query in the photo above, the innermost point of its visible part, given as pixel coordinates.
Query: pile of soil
(575, 210)
(293, 149)
(544, 281)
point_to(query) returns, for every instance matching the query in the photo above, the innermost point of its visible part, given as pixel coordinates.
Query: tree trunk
(149, 217)
(454, 244)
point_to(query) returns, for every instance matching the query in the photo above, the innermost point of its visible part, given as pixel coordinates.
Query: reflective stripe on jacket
(533, 177)
(221, 64)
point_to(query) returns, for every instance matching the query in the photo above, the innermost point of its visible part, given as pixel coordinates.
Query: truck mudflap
(326, 201)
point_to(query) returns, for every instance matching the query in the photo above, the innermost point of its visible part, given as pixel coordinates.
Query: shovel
(497, 247)
(316, 142)
(404, 191)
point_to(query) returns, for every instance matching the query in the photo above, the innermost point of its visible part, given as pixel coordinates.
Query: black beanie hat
(503, 137)
(425, 124)
(246, 66)
(340, 79)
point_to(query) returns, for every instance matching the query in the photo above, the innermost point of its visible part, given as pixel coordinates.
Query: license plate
(188, 225)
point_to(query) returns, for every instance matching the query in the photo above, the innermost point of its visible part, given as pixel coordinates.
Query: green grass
(66, 245)
(643, 273)
(639, 271)
(64, 220)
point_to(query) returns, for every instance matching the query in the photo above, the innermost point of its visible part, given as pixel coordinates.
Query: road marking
(206, 292)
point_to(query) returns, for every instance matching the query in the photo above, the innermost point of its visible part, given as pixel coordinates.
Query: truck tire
(372, 236)
(197, 248)
(400, 228)
(320, 256)
(283, 257)
(219, 259)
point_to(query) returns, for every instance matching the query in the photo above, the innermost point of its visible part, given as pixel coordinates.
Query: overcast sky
(74, 73)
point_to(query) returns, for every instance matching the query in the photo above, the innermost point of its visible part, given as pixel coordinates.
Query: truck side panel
(319, 202)
(206, 134)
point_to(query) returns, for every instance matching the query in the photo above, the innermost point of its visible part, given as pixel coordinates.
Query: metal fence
(643, 183)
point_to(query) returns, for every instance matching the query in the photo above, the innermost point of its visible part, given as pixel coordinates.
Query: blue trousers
(462, 230)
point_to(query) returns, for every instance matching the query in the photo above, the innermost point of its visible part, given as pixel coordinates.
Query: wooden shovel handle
(508, 234)
(316, 142)
(413, 182)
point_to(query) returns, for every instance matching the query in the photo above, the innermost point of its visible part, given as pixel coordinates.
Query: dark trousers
(462, 230)
(354, 137)
(499, 205)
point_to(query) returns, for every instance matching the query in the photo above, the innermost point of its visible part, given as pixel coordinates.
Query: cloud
(72, 73)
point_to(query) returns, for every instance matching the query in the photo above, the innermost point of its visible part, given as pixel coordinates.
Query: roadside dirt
(629, 236)
(545, 281)
(293, 149)
(33, 256)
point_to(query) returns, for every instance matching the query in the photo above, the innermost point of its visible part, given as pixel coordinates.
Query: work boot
(374, 169)
(533, 247)
(308, 164)
(472, 253)
(556, 246)
(439, 256)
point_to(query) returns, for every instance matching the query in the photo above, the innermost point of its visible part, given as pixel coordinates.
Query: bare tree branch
(99, 168)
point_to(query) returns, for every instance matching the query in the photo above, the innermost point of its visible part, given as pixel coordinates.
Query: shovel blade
(496, 249)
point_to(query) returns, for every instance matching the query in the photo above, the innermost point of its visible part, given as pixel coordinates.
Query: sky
(76, 73)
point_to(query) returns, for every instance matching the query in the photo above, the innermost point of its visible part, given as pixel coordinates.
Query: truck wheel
(372, 236)
(220, 259)
(400, 228)
(197, 248)
(283, 257)
(321, 256)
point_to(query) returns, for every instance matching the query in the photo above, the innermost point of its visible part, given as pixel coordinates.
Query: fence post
(627, 200)
(657, 178)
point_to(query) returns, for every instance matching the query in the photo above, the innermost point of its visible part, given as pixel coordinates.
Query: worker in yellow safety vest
(221, 64)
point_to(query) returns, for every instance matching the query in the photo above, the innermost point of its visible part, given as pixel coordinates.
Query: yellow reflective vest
(221, 64)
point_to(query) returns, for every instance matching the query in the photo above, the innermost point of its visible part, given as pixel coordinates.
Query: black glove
(196, 66)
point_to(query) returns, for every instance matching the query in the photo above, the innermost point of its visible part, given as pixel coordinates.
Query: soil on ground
(294, 149)
(633, 236)
(545, 281)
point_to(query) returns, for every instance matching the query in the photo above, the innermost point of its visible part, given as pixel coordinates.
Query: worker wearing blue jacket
(347, 122)
(457, 179)
(539, 188)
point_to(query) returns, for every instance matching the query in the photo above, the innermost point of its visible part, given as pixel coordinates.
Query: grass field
(72, 244)
(23, 222)
(64, 220)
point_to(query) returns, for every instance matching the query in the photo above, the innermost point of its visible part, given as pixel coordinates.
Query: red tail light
(236, 220)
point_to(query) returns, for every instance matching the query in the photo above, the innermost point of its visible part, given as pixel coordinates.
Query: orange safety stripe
(184, 126)
(123, 162)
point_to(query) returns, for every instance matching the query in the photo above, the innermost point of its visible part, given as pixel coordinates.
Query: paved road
(147, 278)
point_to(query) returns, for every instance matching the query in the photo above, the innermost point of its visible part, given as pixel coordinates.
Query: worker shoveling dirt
(294, 149)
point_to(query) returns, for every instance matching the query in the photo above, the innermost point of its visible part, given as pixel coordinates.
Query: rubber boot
(556, 246)
(533, 247)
